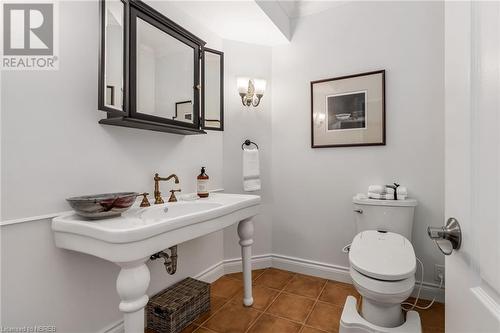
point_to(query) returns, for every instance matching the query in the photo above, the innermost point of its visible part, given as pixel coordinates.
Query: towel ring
(248, 143)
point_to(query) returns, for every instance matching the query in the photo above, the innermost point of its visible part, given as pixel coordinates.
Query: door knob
(450, 234)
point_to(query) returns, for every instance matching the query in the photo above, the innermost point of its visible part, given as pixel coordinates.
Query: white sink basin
(172, 210)
(129, 240)
(140, 232)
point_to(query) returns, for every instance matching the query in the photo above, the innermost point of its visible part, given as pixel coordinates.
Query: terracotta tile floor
(285, 302)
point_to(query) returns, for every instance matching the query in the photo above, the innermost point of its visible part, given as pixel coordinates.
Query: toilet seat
(382, 255)
(382, 291)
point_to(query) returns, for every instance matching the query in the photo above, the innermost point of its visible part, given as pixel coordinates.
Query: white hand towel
(389, 190)
(380, 196)
(380, 189)
(251, 170)
(376, 188)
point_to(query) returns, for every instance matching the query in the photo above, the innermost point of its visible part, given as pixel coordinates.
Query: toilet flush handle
(358, 210)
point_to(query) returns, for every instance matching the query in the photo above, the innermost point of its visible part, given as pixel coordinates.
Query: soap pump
(202, 184)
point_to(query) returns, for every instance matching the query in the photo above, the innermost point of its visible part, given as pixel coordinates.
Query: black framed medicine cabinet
(152, 72)
(212, 114)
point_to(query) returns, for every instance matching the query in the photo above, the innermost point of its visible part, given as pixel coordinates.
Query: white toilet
(382, 267)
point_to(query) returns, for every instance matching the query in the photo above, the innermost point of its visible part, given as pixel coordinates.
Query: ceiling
(264, 22)
(301, 8)
(236, 20)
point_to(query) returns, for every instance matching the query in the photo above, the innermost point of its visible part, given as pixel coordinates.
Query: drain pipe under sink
(170, 260)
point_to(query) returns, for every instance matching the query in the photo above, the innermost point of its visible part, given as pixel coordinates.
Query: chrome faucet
(157, 193)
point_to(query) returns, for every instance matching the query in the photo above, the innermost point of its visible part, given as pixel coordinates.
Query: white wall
(240, 123)
(53, 148)
(312, 188)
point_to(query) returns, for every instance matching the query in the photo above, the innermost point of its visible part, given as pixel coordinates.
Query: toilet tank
(385, 215)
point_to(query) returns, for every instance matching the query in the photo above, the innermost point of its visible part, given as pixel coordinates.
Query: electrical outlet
(438, 270)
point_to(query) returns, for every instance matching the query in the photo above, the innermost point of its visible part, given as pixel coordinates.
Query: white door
(472, 163)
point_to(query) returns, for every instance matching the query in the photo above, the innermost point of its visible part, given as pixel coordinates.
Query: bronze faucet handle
(145, 201)
(172, 195)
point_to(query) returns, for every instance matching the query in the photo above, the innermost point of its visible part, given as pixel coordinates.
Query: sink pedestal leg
(132, 283)
(245, 231)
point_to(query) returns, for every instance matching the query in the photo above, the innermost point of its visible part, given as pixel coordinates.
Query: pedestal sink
(129, 241)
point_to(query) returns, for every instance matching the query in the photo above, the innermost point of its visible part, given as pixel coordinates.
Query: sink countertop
(137, 223)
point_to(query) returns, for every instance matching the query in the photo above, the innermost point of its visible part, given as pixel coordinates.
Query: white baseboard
(116, 327)
(292, 264)
(429, 291)
(310, 267)
(258, 262)
(212, 273)
(341, 273)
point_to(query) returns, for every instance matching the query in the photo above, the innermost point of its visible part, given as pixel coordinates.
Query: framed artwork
(184, 111)
(348, 111)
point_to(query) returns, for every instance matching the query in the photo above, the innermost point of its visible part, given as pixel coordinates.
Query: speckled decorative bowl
(98, 206)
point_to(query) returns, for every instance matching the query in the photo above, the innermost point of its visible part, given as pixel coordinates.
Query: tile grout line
(283, 291)
(215, 312)
(210, 317)
(280, 292)
(271, 303)
(226, 302)
(314, 304)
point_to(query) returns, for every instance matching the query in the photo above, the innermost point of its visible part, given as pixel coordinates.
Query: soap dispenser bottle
(202, 182)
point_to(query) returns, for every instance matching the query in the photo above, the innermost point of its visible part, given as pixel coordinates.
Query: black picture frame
(221, 116)
(176, 115)
(383, 115)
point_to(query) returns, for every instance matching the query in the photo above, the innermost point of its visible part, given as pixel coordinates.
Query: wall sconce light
(251, 90)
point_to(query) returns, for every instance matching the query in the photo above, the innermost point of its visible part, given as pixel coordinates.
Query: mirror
(213, 93)
(112, 44)
(165, 73)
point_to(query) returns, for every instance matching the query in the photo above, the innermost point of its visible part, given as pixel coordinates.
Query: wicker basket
(174, 308)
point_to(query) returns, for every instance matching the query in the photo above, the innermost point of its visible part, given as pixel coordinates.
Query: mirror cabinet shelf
(150, 125)
(156, 75)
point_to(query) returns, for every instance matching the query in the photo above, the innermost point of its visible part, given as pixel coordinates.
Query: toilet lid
(382, 255)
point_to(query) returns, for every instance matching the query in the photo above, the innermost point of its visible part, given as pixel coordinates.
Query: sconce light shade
(260, 86)
(251, 90)
(242, 83)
